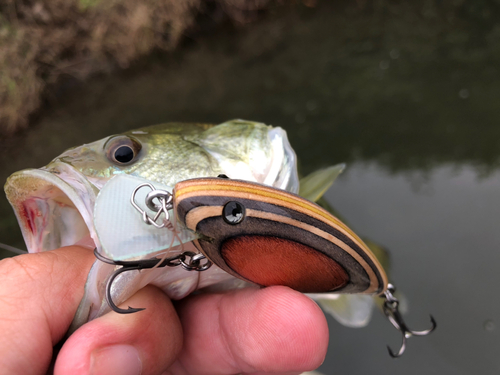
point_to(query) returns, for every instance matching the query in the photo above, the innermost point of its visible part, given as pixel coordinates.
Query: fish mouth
(53, 205)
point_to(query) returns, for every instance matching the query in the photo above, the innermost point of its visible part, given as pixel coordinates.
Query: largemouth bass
(55, 204)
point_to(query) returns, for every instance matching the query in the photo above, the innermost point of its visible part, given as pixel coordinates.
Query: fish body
(56, 205)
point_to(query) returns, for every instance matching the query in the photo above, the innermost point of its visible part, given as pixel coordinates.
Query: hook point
(130, 310)
(434, 324)
(391, 353)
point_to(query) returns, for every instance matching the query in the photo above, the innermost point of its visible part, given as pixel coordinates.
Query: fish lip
(53, 205)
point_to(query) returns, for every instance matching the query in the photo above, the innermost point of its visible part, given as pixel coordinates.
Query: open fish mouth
(54, 206)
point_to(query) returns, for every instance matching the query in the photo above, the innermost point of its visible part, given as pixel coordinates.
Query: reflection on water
(406, 94)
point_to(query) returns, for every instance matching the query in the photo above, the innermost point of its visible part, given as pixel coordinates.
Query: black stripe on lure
(270, 237)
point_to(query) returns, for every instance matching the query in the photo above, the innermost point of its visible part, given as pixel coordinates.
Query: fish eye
(233, 212)
(122, 150)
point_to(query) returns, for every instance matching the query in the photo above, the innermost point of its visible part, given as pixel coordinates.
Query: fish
(55, 205)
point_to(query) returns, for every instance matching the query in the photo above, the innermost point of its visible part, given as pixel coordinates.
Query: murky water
(407, 95)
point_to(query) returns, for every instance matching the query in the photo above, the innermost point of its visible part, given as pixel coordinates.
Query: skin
(251, 331)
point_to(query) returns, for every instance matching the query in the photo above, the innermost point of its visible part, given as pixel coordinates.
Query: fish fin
(350, 310)
(314, 185)
(380, 253)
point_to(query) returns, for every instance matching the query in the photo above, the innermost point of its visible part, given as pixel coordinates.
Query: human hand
(270, 330)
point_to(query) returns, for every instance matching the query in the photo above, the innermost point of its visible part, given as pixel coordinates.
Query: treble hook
(391, 311)
(132, 265)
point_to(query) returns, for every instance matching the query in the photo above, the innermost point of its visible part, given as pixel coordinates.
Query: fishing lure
(265, 236)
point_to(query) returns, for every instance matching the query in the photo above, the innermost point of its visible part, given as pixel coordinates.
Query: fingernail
(117, 359)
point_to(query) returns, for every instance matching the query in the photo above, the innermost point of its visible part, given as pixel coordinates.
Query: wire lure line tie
(391, 311)
(165, 200)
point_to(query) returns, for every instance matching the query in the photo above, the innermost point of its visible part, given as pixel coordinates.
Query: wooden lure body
(271, 237)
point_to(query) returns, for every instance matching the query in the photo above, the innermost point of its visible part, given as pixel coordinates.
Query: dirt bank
(45, 42)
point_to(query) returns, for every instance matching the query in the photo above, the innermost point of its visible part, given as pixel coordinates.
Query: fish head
(55, 204)
(155, 153)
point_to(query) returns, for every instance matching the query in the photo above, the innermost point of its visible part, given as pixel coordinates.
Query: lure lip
(53, 206)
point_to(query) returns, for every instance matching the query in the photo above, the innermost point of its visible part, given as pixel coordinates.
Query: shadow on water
(406, 94)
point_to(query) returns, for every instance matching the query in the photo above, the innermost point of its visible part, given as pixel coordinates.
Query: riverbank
(46, 47)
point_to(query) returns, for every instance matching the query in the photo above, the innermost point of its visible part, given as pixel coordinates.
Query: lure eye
(122, 150)
(233, 212)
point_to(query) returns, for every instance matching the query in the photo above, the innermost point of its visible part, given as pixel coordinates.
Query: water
(406, 94)
(444, 256)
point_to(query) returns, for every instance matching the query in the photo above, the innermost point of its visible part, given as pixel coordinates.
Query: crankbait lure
(266, 236)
